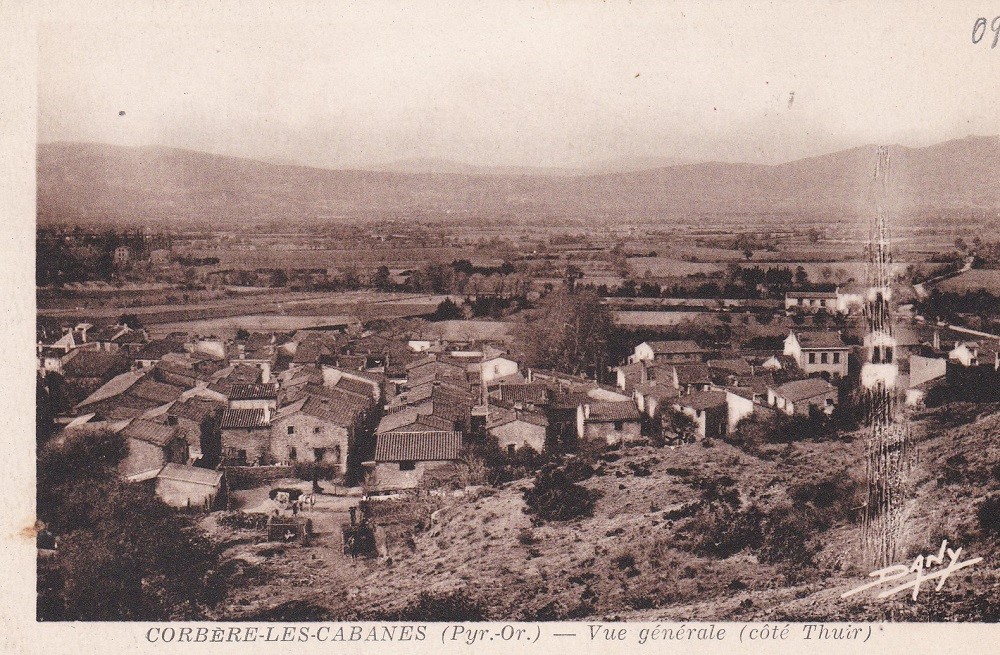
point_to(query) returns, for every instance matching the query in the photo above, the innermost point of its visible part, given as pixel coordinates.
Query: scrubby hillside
(689, 533)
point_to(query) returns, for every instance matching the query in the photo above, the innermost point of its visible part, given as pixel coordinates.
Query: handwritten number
(979, 30)
(980, 27)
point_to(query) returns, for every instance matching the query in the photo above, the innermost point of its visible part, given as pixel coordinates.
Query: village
(364, 414)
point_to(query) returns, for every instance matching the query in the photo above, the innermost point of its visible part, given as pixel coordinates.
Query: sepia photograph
(522, 312)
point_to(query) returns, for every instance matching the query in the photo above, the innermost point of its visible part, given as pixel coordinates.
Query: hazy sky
(550, 84)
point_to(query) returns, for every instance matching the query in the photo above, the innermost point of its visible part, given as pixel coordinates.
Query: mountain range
(87, 182)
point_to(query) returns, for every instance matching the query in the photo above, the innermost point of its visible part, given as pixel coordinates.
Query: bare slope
(631, 560)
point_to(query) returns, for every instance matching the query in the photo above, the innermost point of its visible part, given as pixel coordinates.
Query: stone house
(613, 422)
(403, 459)
(150, 446)
(801, 396)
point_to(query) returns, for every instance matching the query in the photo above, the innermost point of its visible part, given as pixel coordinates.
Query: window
(292, 453)
(317, 430)
(812, 358)
(336, 454)
(241, 455)
(888, 355)
(836, 358)
(407, 466)
(291, 429)
(619, 425)
(510, 449)
(319, 454)
(823, 358)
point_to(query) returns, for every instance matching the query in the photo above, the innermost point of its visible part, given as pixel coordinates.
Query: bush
(989, 514)
(454, 606)
(829, 501)
(243, 520)
(554, 497)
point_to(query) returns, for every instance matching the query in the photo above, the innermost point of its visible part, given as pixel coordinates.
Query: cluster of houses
(396, 412)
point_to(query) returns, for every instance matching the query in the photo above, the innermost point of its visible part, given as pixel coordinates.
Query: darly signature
(919, 567)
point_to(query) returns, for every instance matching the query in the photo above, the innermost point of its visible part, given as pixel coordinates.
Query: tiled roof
(355, 386)
(658, 390)
(820, 340)
(258, 391)
(675, 347)
(92, 364)
(339, 395)
(150, 432)
(114, 387)
(700, 400)
(159, 348)
(693, 374)
(499, 416)
(537, 394)
(757, 383)
(418, 446)
(158, 392)
(411, 417)
(423, 361)
(195, 409)
(625, 410)
(738, 366)
(192, 474)
(336, 411)
(243, 418)
(798, 390)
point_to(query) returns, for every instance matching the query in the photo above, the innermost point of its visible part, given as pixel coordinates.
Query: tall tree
(569, 332)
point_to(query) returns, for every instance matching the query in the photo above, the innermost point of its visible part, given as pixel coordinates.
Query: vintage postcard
(503, 325)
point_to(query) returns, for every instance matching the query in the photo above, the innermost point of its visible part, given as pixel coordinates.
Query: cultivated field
(973, 280)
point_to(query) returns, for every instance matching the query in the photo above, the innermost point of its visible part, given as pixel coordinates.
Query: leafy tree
(123, 554)
(447, 310)
(570, 332)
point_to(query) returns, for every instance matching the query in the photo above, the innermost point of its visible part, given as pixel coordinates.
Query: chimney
(937, 340)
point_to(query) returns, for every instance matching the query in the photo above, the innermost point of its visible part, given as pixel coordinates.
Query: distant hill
(80, 182)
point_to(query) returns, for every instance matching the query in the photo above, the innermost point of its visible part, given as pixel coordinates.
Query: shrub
(989, 514)
(526, 537)
(243, 520)
(554, 497)
(454, 606)
(828, 501)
